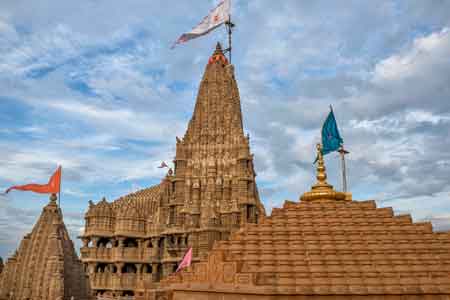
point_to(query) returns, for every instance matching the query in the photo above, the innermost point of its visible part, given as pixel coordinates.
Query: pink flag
(163, 165)
(186, 262)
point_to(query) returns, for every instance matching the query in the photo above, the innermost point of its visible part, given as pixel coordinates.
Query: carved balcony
(117, 254)
(116, 281)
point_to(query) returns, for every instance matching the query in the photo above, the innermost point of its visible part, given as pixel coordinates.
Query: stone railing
(118, 254)
(115, 298)
(115, 281)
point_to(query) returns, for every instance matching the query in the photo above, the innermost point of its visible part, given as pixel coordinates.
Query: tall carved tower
(133, 242)
(45, 266)
(214, 181)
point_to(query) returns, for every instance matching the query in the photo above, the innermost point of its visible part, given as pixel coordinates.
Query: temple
(325, 246)
(130, 244)
(45, 266)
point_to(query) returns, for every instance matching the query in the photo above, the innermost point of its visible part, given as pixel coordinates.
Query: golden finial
(321, 170)
(322, 190)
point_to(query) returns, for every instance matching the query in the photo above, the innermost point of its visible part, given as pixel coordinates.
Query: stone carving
(229, 271)
(185, 209)
(45, 266)
(325, 247)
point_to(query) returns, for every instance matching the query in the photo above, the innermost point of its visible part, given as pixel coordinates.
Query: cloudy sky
(93, 85)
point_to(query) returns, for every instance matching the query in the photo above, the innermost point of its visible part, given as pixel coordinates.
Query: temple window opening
(129, 268)
(104, 243)
(130, 243)
(147, 268)
(101, 268)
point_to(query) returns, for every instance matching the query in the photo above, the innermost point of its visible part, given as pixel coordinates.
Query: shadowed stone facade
(324, 247)
(45, 266)
(133, 242)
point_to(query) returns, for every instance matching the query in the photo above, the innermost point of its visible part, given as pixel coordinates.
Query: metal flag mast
(343, 152)
(59, 191)
(229, 26)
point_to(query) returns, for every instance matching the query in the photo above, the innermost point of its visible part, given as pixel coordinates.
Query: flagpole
(343, 152)
(229, 26)
(59, 192)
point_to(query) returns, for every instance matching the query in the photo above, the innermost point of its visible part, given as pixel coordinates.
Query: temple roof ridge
(309, 237)
(146, 193)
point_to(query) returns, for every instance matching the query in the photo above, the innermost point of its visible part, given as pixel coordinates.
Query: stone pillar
(155, 242)
(95, 240)
(121, 242)
(85, 242)
(139, 268)
(119, 267)
(91, 268)
(155, 274)
(111, 268)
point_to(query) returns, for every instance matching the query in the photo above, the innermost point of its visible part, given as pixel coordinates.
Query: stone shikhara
(326, 246)
(45, 266)
(129, 245)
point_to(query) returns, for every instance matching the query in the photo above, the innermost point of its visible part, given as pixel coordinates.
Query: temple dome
(101, 209)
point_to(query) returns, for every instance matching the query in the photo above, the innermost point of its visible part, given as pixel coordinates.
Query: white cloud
(427, 53)
(101, 98)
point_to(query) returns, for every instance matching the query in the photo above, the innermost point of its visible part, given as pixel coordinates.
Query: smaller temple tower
(45, 266)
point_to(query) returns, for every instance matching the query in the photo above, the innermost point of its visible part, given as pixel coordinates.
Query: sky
(94, 86)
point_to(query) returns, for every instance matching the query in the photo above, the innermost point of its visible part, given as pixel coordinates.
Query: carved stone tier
(45, 266)
(210, 193)
(324, 249)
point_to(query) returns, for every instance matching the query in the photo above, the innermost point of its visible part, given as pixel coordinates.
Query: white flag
(214, 19)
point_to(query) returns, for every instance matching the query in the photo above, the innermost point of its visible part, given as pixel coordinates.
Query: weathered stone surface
(131, 243)
(45, 266)
(324, 247)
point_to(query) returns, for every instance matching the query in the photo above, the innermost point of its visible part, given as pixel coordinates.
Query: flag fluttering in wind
(52, 187)
(186, 262)
(331, 139)
(163, 165)
(214, 19)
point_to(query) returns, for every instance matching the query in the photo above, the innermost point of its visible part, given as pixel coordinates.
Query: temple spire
(45, 265)
(217, 114)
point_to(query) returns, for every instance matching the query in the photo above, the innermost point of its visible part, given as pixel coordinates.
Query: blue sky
(93, 85)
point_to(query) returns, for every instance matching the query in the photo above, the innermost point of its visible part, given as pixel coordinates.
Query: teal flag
(331, 139)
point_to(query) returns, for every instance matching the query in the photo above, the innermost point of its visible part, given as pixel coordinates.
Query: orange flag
(52, 187)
